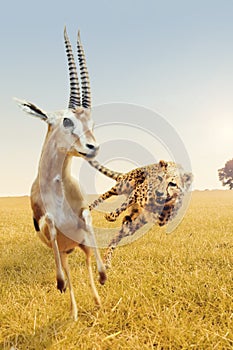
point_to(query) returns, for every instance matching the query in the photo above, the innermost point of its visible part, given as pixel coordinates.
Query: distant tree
(226, 174)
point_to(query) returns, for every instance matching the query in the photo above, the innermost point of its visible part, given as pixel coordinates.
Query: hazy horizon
(89, 196)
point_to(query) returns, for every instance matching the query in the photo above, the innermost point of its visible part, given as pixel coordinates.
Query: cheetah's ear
(163, 164)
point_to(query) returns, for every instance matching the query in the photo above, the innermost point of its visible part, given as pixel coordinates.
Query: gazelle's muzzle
(90, 150)
(93, 150)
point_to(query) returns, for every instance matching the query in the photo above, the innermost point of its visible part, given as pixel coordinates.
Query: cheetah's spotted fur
(153, 194)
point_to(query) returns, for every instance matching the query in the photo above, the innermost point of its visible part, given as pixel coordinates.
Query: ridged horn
(75, 98)
(85, 81)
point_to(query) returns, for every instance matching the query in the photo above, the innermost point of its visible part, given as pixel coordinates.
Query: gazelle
(61, 215)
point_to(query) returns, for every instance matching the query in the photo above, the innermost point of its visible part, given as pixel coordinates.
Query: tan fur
(60, 213)
(58, 205)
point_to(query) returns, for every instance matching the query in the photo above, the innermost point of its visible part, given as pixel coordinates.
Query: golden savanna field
(163, 292)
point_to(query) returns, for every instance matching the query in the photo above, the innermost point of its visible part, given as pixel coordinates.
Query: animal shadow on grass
(48, 335)
(45, 337)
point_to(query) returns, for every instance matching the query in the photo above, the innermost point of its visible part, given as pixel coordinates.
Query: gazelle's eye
(67, 123)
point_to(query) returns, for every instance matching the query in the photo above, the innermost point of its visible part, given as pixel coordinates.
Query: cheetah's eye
(67, 123)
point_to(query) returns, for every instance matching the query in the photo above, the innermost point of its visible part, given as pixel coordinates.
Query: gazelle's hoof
(103, 277)
(61, 285)
(97, 301)
(74, 316)
(74, 313)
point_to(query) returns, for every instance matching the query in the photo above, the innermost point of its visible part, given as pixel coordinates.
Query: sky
(173, 57)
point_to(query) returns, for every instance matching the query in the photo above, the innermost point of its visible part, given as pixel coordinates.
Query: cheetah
(153, 193)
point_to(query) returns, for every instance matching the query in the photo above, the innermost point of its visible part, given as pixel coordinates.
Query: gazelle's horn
(75, 99)
(85, 81)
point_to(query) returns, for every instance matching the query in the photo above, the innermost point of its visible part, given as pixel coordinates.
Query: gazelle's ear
(31, 109)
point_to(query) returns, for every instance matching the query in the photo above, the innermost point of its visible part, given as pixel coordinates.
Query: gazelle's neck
(54, 169)
(55, 163)
(59, 192)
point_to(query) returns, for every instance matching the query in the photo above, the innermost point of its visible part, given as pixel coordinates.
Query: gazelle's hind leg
(49, 222)
(64, 261)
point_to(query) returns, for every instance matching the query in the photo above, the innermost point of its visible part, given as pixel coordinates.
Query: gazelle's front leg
(49, 222)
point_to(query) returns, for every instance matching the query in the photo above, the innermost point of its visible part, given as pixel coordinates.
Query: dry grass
(163, 292)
